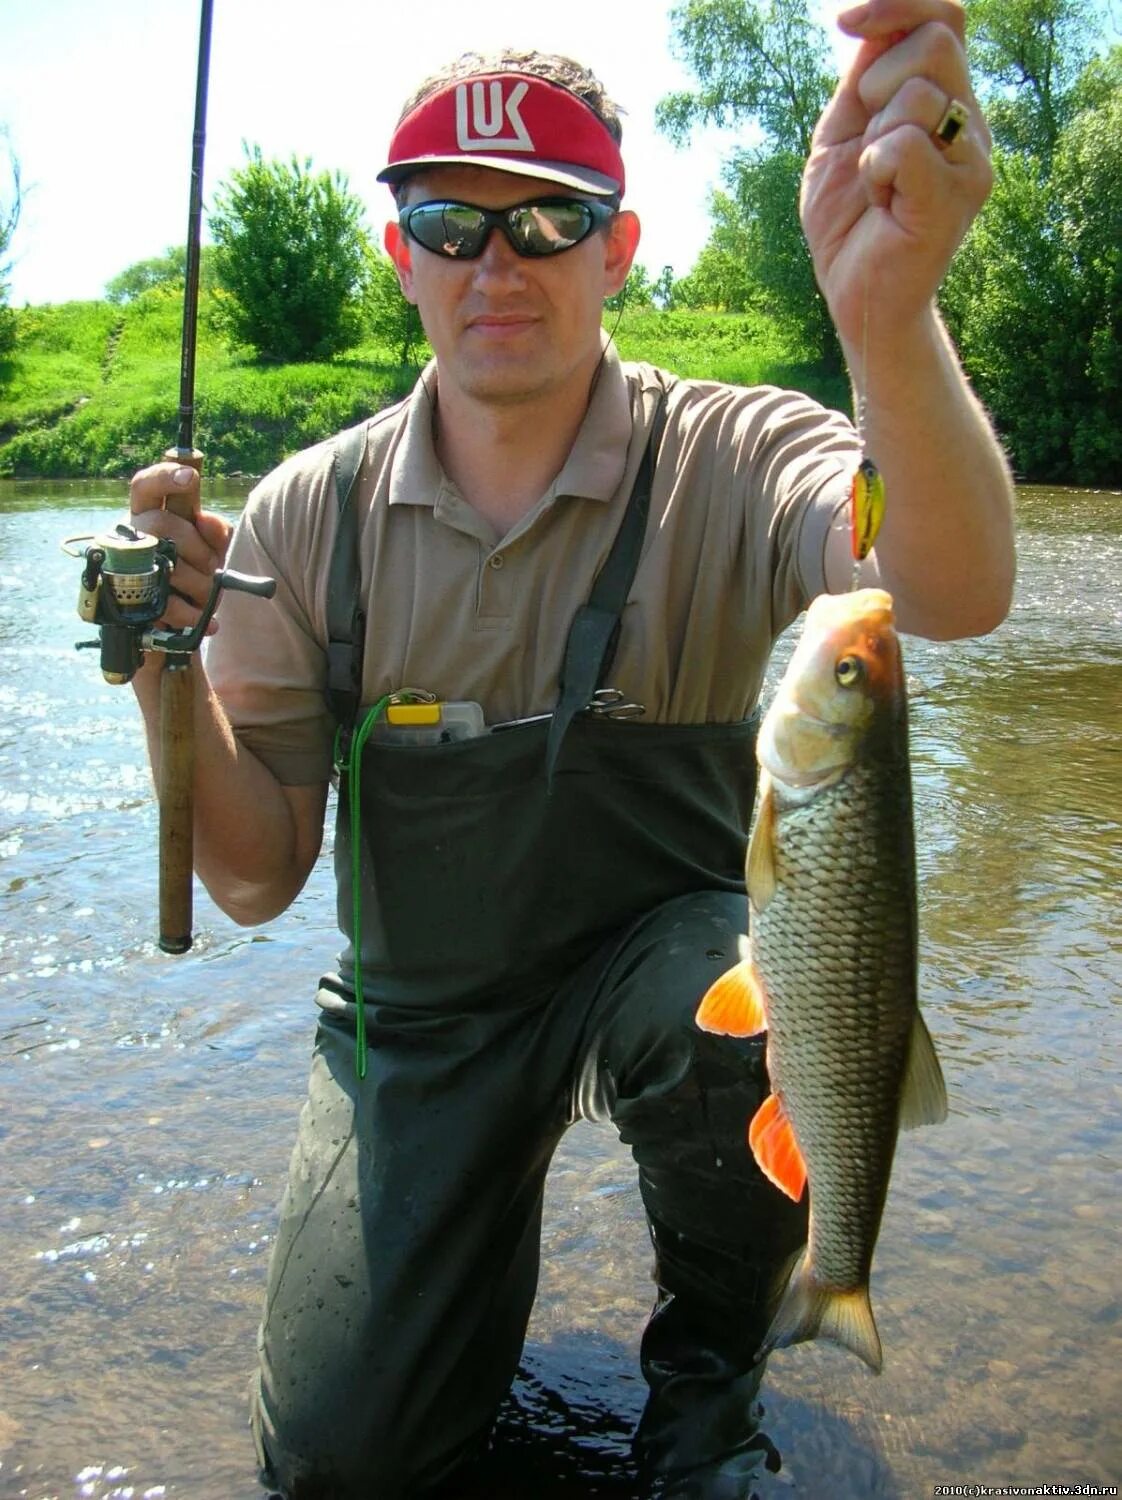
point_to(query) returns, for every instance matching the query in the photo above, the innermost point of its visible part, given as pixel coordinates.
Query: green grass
(736, 348)
(92, 388)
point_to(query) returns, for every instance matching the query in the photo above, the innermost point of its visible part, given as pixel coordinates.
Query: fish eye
(850, 669)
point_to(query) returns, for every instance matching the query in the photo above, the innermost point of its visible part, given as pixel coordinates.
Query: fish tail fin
(810, 1310)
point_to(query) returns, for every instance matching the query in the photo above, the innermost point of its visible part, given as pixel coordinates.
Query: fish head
(845, 674)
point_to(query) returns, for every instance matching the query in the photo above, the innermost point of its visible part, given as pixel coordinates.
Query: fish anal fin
(923, 1096)
(773, 1144)
(810, 1310)
(760, 869)
(734, 1004)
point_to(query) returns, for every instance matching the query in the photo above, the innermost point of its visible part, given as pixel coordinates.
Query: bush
(291, 255)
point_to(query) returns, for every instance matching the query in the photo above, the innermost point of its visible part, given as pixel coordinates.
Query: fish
(829, 965)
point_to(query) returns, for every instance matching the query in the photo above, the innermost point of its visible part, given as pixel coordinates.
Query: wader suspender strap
(346, 619)
(594, 633)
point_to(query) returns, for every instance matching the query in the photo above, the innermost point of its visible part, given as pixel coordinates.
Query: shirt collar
(595, 466)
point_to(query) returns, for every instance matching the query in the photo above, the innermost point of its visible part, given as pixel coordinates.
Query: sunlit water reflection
(149, 1104)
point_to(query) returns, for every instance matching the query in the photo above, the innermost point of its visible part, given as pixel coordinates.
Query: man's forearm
(946, 547)
(255, 841)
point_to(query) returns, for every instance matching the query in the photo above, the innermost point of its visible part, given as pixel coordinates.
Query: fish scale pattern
(836, 948)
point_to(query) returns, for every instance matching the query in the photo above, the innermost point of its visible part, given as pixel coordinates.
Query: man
(538, 909)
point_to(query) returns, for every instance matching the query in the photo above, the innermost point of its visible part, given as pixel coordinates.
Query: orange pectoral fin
(775, 1148)
(734, 1004)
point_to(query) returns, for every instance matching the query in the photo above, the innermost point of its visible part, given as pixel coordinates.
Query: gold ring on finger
(955, 119)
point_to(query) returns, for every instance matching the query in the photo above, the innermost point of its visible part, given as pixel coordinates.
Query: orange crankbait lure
(866, 508)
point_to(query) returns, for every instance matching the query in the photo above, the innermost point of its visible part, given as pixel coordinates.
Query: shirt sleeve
(812, 452)
(268, 662)
(793, 467)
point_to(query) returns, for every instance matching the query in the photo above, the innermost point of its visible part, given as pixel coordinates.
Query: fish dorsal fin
(761, 848)
(734, 1004)
(775, 1148)
(923, 1098)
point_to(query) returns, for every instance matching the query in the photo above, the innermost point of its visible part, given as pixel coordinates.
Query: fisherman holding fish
(600, 556)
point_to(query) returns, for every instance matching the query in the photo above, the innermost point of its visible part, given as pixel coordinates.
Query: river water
(148, 1104)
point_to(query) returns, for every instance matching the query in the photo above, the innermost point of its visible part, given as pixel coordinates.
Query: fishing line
(867, 497)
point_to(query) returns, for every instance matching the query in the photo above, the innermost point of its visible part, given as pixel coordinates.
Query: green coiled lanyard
(349, 766)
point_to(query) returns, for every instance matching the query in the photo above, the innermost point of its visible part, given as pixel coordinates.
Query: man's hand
(884, 203)
(200, 543)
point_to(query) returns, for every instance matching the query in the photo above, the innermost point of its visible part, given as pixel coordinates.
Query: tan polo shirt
(748, 483)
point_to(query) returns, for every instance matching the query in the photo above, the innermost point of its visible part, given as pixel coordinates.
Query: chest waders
(542, 910)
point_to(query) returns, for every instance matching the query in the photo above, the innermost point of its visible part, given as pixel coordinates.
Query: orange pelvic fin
(734, 1004)
(775, 1148)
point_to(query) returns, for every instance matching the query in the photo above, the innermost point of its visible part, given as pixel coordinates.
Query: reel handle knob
(247, 583)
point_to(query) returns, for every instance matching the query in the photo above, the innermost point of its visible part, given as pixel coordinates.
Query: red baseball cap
(515, 122)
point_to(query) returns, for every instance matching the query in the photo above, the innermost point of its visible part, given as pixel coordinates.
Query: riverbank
(93, 388)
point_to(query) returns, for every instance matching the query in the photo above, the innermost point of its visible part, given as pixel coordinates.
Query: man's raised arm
(889, 191)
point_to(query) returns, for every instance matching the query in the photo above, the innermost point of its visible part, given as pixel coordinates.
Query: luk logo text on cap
(489, 111)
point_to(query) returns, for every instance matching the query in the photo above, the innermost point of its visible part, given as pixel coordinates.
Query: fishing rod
(126, 586)
(177, 689)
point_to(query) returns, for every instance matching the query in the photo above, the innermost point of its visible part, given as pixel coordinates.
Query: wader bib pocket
(482, 886)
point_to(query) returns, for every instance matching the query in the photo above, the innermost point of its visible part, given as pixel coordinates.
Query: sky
(98, 100)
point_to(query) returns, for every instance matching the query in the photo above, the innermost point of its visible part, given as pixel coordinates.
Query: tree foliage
(1029, 54)
(1034, 297)
(758, 60)
(291, 254)
(637, 291)
(766, 63)
(386, 315)
(720, 280)
(167, 270)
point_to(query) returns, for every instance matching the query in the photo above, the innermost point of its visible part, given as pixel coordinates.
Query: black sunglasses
(544, 226)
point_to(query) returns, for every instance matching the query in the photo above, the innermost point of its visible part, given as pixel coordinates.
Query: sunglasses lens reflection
(460, 230)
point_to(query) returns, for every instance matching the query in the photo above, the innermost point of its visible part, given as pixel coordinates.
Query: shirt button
(496, 561)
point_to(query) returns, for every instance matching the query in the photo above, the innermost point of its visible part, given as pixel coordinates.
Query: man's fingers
(150, 487)
(905, 172)
(180, 615)
(216, 532)
(931, 55)
(882, 18)
(923, 104)
(191, 547)
(901, 40)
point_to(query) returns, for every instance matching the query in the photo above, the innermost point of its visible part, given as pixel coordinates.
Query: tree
(1087, 175)
(386, 314)
(167, 270)
(764, 62)
(1034, 298)
(720, 280)
(637, 291)
(757, 60)
(1029, 54)
(9, 219)
(291, 253)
